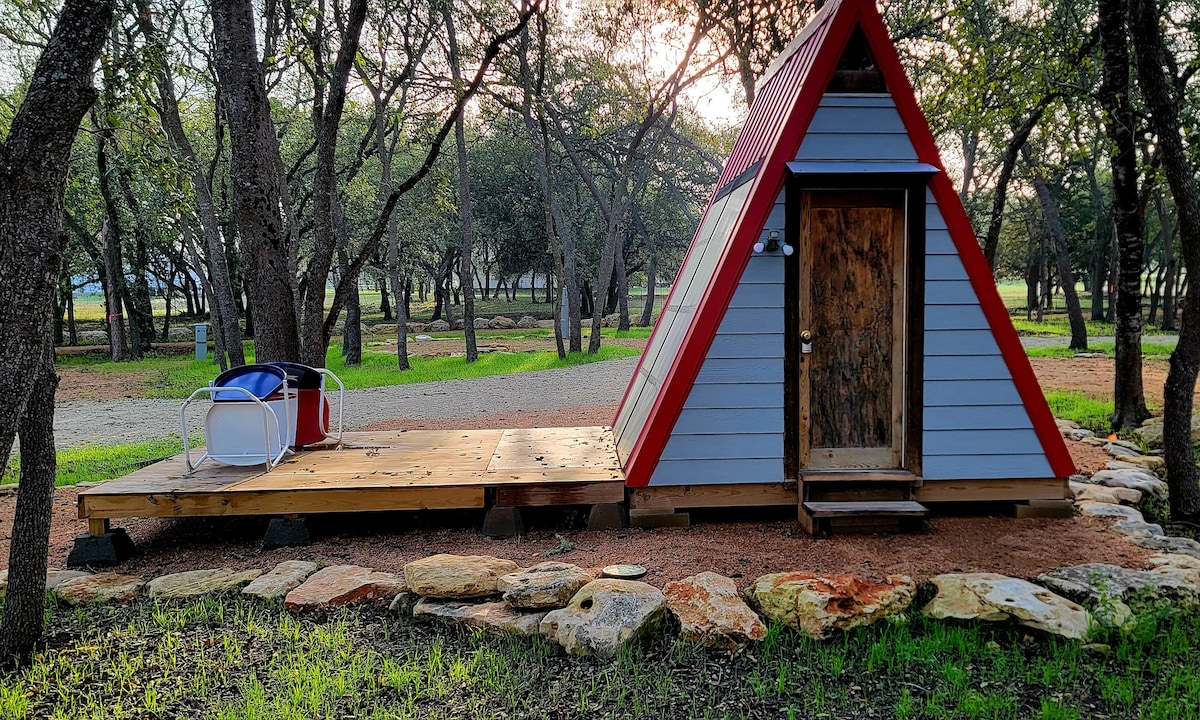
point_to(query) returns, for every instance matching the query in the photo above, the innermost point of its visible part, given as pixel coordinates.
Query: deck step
(874, 508)
(860, 476)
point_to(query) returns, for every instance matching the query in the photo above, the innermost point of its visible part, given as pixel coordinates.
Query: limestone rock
(496, 616)
(99, 588)
(54, 578)
(438, 326)
(1103, 509)
(611, 321)
(501, 322)
(1085, 492)
(1152, 431)
(1186, 566)
(1113, 445)
(1064, 424)
(198, 582)
(481, 323)
(342, 585)
(285, 577)
(998, 598)
(92, 336)
(1139, 479)
(711, 610)
(457, 577)
(546, 324)
(604, 616)
(817, 604)
(1166, 544)
(544, 586)
(527, 322)
(1099, 581)
(1138, 528)
(1079, 433)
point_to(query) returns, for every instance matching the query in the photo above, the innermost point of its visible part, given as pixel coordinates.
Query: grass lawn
(228, 658)
(1088, 412)
(1149, 350)
(96, 463)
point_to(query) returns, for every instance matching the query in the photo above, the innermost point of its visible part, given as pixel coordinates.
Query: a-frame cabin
(834, 336)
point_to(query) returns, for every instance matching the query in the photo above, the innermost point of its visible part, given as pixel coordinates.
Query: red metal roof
(784, 107)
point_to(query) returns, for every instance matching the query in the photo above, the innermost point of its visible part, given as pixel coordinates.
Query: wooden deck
(393, 470)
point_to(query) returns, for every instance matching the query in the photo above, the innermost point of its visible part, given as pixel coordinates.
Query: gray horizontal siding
(731, 426)
(975, 424)
(848, 128)
(715, 472)
(986, 467)
(973, 417)
(707, 421)
(724, 446)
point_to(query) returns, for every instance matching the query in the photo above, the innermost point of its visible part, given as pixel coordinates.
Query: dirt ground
(1094, 376)
(738, 543)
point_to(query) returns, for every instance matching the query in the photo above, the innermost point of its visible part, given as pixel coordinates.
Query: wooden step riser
(838, 493)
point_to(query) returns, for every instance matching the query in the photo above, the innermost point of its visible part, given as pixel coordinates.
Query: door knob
(806, 341)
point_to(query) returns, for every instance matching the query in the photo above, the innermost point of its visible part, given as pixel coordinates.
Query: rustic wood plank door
(853, 306)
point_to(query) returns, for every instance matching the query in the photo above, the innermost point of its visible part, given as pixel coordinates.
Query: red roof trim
(973, 260)
(677, 384)
(781, 144)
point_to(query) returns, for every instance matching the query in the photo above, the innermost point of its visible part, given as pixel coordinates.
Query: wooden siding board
(728, 445)
(717, 472)
(986, 467)
(972, 392)
(762, 295)
(851, 119)
(970, 442)
(944, 267)
(726, 346)
(955, 317)
(974, 417)
(968, 367)
(730, 397)
(950, 292)
(839, 147)
(960, 342)
(765, 269)
(739, 370)
(711, 421)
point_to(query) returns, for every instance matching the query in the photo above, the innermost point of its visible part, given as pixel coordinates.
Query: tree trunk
(1169, 262)
(315, 326)
(1100, 243)
(622, 294)
(253, 157)
(385, 305)
(1157, 93)
(110, 241)
(34, 161)
(1079, 339)
(1129, 400)
(141, 308)
(30, 539)
(218, 270)
(466, 219)
(1009, 161)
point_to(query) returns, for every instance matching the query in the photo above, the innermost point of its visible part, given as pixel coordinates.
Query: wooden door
(852, 302)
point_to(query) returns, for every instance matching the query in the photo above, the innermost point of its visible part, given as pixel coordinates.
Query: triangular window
(857, 71)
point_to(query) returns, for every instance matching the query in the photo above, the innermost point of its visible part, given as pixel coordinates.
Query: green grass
(1058, 326)
(229, 658)
(1088, 412)
(1149, 350)
(95, 463)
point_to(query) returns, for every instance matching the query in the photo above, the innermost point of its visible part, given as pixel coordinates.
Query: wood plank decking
(391, 470)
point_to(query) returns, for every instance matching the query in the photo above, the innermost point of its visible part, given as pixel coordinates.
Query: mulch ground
(738, 543)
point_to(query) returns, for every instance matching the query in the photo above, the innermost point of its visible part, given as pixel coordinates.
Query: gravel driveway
(78, 422)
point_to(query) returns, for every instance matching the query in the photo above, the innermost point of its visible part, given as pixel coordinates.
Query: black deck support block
(111, 548)
(286, 532)
(503, 522)
(607, 516)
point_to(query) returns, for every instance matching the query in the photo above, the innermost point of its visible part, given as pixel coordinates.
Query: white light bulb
(787, 249)
(759, 247)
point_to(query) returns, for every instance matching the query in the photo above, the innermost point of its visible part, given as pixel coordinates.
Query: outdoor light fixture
(773, 243)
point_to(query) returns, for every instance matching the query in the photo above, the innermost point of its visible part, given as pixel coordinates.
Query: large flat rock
(818, 604)
(497, 616)
(54, 578)
(711, 610)
(457, 577)
(194, 583)
(283, 578)
(99, 588)
(604, 616)
(341, 585)
(996, 598)
(1098, 581)
(545, 586)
